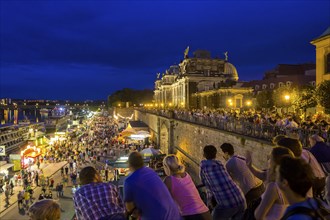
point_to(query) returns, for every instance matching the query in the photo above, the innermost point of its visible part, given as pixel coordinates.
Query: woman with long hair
(273, 203)
(183, 190)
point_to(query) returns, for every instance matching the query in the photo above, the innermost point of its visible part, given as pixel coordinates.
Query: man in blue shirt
(146, 195)
(294, 176)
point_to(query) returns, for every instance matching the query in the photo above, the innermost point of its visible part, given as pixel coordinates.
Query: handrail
(242, 126)
(186, 154)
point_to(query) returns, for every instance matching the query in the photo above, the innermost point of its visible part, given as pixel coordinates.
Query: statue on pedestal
(226, 55)
(186, 52)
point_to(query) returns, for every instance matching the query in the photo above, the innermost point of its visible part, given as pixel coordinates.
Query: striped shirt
(96, 200)
(221, 186)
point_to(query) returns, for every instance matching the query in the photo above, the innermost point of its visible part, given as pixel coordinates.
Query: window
(280, 84)
(288, 83)
(264, 86)
(327, 64)
(257, 87)
(313, 83)
(272, 85)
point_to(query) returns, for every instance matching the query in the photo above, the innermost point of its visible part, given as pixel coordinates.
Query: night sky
(82, 50)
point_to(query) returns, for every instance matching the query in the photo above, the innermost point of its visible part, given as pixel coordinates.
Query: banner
(14, 157)
(2, 150)
(17, 165)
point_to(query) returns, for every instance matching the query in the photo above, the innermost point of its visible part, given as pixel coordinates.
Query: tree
(285, 96)
(265, 99)
(323, 95)
(305, 98)
(130, 95)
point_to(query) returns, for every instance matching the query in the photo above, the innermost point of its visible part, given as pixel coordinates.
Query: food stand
(29, 156)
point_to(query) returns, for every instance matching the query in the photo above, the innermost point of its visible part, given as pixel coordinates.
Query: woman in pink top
(273, 203)
(184, 191)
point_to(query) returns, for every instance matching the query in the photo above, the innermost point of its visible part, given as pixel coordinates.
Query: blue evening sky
(88, 49)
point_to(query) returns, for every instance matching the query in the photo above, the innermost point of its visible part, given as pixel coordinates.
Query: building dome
(230, 69)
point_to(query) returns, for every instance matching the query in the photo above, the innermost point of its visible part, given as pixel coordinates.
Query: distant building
(198, 82)
(284, 75)
(322, 44)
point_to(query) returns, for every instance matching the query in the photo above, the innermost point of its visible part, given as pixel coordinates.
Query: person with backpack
(295, 177)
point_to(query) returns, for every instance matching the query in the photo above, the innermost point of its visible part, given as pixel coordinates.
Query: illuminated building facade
(191, 83)
(322, 44)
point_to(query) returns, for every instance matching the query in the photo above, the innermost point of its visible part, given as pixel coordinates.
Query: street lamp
(287, 99)
(248, 103)
(230, 102)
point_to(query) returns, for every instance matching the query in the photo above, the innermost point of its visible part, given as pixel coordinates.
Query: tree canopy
(131, 95)
(265, 99)
(323, 95)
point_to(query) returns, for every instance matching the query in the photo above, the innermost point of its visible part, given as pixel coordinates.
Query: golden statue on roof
(226, 55)
(186, 52)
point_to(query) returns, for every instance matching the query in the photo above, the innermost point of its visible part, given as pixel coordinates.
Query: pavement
(49, 169)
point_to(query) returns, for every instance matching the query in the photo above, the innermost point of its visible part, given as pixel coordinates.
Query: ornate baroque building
(200, 81)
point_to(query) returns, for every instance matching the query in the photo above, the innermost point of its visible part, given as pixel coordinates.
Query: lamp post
(230, 102)
(287, 99)
(248, 103)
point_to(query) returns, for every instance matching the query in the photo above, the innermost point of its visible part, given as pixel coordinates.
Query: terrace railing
(242, 126)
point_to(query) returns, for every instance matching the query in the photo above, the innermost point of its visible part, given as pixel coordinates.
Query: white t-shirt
(241, 174)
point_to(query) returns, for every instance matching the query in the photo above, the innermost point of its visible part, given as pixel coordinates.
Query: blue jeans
(219, 213)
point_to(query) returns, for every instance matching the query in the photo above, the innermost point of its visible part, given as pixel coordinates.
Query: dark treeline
(130, 95)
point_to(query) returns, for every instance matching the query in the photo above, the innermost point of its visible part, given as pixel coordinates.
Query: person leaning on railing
(183, 190)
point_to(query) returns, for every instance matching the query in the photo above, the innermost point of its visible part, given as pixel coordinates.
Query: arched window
(257, 87)
(264, 86)
(280, 84)
(272, 85)
(288, 83)
(327, 64)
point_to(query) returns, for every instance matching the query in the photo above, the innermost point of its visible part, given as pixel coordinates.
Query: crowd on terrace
(262, 125)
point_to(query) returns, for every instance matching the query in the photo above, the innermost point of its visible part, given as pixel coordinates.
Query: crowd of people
(236, 190)
(295, 178)
(259, 124)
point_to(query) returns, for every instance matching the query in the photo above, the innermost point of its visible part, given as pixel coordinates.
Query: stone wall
(123, 112)
(187, 141)
(190, 140)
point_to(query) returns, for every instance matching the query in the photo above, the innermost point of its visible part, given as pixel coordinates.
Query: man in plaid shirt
(228, 196)
(96, 200)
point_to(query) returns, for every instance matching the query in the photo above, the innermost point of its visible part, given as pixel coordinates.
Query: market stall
(29, 156)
